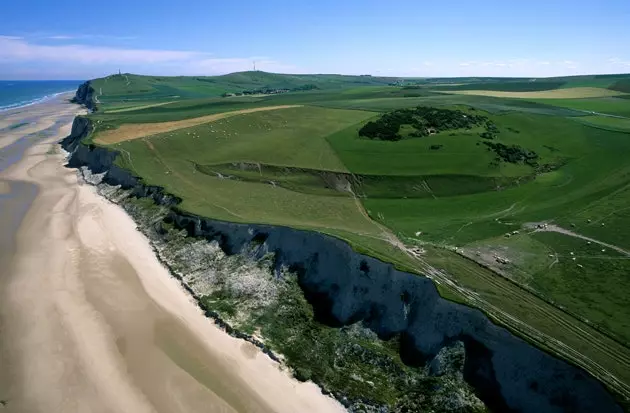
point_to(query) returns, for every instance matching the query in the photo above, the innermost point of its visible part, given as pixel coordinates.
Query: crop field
(617, 124)
(506, 86)
(471, 197)
(567, 93)
(612, 106)
(131, 131)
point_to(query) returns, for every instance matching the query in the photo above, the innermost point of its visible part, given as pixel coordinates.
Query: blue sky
(67, 39)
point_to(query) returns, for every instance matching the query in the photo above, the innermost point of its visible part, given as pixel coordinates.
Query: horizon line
(329, 74)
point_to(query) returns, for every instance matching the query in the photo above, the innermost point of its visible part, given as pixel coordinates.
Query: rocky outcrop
(344, 287)
(85, 96)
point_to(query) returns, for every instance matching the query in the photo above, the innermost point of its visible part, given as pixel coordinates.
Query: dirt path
(131, 109)
(608, 115)
(134, 130)
(555, 228)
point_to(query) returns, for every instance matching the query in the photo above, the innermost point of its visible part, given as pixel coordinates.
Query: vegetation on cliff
(248, 297)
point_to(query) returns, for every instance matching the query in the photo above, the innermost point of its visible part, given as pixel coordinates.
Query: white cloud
(13, 50)
(617, 62)
(228, 65)
(570, 64)
(20, 53)
(84, 36)
(61, 37)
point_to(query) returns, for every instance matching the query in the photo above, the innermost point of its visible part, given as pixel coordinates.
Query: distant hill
(122, 87)
(614, 82)
(121, 90)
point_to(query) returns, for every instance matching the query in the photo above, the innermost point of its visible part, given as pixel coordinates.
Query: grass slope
(292, 137)
(127, 90)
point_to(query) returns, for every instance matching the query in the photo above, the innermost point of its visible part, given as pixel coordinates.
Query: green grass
(607, 122)
(591, 186)
(527, 86)
(621, 85)
(614, 82)
(487, 103)
(560, 268)
(611, 105)
(461, 153)
(575, 288)
(286, 137)
(291, 137)
(121, 90)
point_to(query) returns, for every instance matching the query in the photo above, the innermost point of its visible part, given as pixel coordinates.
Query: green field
(617, 124)
(128, 90)
(619, 106)
(307, 167)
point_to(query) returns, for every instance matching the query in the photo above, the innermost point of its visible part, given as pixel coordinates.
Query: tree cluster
(424, 120)
(513, 153)
(309, 86)
(271, 91)
(491, 131)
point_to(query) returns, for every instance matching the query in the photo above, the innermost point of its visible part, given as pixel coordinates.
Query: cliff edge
(85, 96)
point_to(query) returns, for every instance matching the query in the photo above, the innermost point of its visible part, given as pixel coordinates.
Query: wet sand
(90, 321)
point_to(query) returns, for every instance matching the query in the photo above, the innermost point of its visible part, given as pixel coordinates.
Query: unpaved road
(555, 228)
(132, 108)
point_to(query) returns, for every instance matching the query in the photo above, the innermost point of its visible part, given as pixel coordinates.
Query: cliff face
(85, 96)
(344, 287)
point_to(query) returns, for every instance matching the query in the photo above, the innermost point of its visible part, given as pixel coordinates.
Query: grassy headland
(454, 192)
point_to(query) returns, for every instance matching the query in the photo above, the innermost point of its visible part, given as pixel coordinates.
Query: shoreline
(37, 101)
(128, 328)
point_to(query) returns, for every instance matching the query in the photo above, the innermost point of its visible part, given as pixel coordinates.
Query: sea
(19, 93)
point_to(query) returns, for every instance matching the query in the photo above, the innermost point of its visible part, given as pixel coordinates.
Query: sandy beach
(90, 321)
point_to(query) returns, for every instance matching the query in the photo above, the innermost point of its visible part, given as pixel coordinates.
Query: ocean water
(18, 93)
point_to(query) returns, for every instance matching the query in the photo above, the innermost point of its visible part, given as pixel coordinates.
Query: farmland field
(617, 106)
(567, 93)
(471, 196)
(608, 122)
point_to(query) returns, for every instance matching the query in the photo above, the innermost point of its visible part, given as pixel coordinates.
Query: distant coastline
(20, 94)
